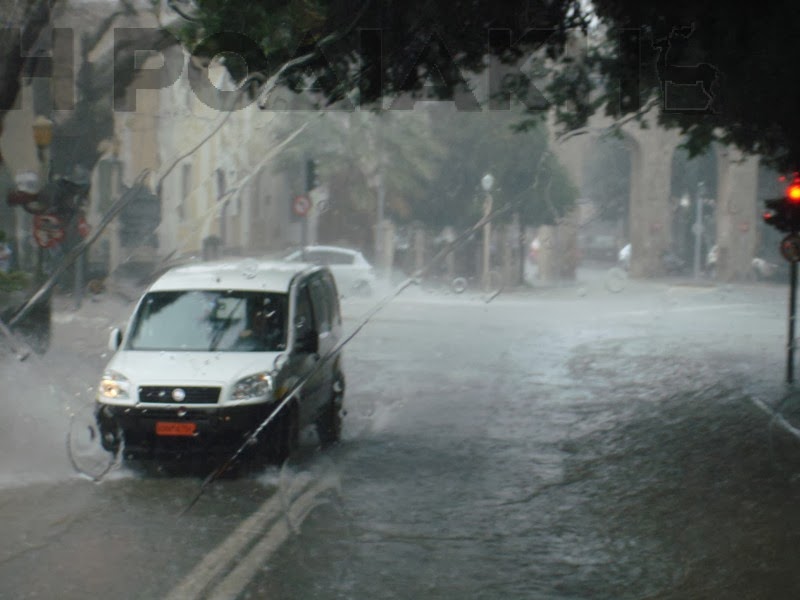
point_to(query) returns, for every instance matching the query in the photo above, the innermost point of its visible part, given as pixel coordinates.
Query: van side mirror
(115, 339)
(308, 343)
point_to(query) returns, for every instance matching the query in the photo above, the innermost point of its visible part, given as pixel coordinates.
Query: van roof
(245, 274)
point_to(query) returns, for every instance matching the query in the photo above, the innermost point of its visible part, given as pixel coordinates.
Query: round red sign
(84, 229)
(790, 247)
(301, 205)
(48, 231)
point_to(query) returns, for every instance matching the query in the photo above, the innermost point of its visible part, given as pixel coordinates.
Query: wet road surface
(571, 444)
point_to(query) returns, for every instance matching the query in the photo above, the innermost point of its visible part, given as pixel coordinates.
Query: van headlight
(253, 387)
(114, 386)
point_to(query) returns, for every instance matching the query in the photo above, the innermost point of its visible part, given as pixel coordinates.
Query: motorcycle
(761, 269)
(711, 262)
(764, 269)
(673, 264)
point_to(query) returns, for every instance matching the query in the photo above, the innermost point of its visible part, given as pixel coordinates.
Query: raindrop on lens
(249, 268)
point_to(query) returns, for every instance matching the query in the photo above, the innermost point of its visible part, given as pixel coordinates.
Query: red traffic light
(793, 193)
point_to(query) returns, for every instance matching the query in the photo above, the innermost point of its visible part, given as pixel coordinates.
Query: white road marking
(778, 417)
(673, 309)
(223, 556)
(236, 581)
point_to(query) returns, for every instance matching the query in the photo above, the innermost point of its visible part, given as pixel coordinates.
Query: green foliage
(434, 158)
(526, 175)
(748, 51)
(420, 40)
(13, 281)
(349, 148)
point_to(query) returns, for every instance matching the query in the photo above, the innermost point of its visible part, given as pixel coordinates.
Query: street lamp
(43, 137)
(486, 183)
(697, 228)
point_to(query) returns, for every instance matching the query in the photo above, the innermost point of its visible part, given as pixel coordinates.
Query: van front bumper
(141, 429)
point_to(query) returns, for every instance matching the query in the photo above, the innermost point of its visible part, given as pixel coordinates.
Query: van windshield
(210, 320)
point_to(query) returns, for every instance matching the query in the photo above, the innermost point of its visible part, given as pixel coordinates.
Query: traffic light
(784, 213)
(776, 214)
(311, 175)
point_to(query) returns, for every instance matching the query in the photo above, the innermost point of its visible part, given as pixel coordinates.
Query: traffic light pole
(792, 311)
(784, 215)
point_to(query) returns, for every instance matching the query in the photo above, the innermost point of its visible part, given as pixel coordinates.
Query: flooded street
(564, 443)
(398, 300)
(582, 456)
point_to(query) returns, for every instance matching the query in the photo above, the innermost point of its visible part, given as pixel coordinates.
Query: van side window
(322, 309)
(303, 316)
(333, 298)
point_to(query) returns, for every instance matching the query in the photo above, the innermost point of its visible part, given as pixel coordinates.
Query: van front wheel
(283, 435)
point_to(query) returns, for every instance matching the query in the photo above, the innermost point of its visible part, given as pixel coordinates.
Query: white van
(212, 349)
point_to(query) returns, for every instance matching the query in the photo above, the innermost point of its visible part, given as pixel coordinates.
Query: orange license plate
(179, 429)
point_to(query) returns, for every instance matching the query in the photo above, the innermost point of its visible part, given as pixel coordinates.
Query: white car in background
(352, 272)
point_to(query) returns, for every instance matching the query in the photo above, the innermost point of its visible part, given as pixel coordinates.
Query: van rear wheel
(329, 424)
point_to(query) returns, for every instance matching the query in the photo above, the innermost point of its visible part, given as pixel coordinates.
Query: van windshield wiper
(226, 324)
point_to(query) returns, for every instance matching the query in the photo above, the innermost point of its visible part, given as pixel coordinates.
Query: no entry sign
(790, 247)
(301, 205)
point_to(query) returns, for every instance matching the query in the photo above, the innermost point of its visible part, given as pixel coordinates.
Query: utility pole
(379, 219)
(486, 183)
(381, 185)
(311, 184)
(698, 228)
(521, 248)
(792, 315)
(784, 214)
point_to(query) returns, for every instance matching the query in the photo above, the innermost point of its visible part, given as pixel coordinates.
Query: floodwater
(568, 443)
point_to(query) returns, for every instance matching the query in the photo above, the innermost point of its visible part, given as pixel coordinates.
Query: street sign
(48, 231)
(321, 206)
(319, 198)
(84, 229)
(790, 248)
(319, 194)
(301, 205)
